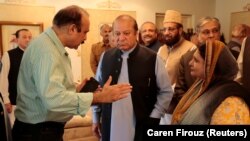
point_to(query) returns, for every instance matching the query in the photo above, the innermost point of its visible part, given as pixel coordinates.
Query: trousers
(44, 131)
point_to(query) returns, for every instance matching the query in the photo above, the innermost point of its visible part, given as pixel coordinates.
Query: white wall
(223, 11)
(145, 9)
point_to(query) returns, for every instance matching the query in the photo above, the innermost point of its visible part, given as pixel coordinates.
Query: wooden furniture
(79, 129)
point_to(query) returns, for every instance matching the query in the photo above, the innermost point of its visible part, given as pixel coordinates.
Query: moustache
(147, 36)
(168, 36)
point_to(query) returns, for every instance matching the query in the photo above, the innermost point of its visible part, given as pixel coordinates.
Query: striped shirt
(45, 86)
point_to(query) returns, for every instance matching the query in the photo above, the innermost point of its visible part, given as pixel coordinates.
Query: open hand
(111, 93)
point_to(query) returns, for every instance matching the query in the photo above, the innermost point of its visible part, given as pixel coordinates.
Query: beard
(172, 41)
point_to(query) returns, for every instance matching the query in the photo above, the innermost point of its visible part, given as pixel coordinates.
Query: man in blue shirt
(11, 62)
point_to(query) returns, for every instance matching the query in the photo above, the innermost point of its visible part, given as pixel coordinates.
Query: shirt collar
(20, 48)
(58, 44)
(126, 53)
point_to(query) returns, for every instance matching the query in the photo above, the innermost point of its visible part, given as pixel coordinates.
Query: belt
(47, 124)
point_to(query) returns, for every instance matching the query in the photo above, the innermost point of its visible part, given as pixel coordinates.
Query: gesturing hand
(111, 93)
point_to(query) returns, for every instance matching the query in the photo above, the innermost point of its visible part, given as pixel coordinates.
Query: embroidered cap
(172, 16)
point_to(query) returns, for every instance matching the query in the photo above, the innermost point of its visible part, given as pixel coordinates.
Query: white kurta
(123, 117)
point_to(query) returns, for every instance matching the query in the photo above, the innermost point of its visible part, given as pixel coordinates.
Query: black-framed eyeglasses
(170, 29)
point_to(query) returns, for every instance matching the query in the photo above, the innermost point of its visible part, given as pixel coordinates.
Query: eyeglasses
(207, 32)
(170, 29)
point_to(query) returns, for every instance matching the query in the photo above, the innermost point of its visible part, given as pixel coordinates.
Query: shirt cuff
(156, 114)
(96, 114)
(96, 118)
(6, 99)
(84, 103)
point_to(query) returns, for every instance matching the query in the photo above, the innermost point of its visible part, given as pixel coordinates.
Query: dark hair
(217, 70)
(202, 50)
(127, 17)
(222, 38)
(148, 22)
(178, 25)
(18, 31)
(70, 15)
(105, 25)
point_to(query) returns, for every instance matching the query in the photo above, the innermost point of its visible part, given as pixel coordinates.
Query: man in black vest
(11, 62)
(144, 70)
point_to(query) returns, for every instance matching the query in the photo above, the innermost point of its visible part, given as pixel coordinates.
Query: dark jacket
(155, 45)
(141, 71)
(246, 65)
(233, 44)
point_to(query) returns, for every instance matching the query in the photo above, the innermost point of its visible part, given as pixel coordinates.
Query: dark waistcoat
(155, 45)
(141, 71)
(234, 44)
(15, 56)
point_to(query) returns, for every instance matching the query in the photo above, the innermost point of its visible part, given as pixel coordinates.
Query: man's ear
(72, 28)
(180, 30)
